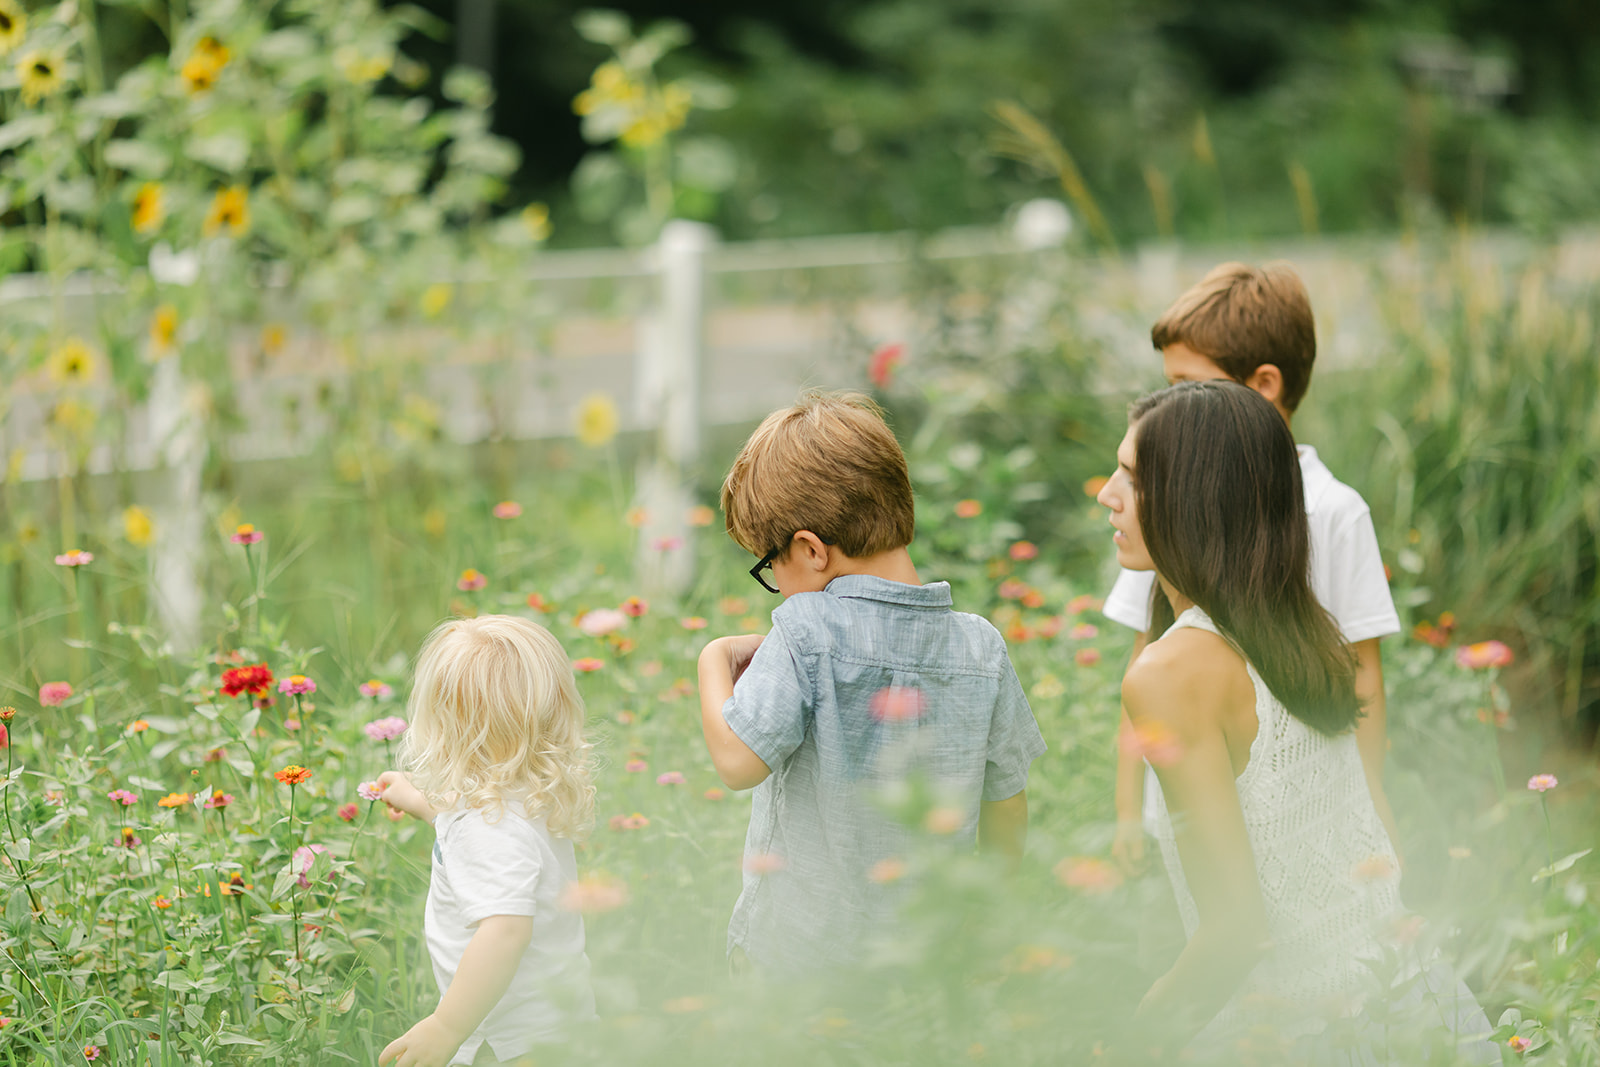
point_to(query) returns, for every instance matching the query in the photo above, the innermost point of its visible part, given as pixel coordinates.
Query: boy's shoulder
(829, 620)
(1327, 498)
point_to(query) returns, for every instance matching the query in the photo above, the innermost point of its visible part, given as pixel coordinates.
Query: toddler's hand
(428, 1044)
(401, 795)
(740, 651)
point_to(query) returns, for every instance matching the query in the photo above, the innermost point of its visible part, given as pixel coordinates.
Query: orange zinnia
(294, 774)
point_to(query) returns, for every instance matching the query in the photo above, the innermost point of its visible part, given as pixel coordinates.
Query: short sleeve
(1129, 599)
(493, 867)
(771, 700)
(1358, 595)
(1014, 738)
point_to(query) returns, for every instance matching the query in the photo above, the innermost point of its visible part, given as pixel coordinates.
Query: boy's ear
(1267, 380)
(808, 549)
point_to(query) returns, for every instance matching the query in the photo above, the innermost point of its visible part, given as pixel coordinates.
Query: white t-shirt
(513, 866)
(1346, 567)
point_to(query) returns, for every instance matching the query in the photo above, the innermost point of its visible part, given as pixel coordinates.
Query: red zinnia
(254, 680)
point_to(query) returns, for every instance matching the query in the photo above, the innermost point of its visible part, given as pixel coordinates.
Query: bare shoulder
(1190, 680)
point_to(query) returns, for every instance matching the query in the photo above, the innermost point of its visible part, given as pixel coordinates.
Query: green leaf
(21, 130)
(1563, 864)
(603, 27)
(137, 157)
(467, 86)
(227, 152)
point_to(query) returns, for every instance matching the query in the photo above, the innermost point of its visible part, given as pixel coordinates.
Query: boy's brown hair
(830, 465)
(1241, 317)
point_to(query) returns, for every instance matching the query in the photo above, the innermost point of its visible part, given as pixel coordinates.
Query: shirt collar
(1315, 477)
(871, 587)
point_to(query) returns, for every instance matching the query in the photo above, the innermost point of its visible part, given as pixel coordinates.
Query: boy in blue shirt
(866, 675)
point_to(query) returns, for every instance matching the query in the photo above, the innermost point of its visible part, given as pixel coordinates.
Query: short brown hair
(830, 465)
(1241, 317)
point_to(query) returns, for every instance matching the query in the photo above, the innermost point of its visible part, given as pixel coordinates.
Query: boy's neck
(894, 566)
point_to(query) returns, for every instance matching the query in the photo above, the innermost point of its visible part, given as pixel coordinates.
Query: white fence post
(668, 397)
(181, 447)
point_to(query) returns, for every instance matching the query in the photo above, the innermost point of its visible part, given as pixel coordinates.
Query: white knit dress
(1329, 875)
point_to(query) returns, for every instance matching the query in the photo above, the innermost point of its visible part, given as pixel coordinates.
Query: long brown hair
(1223, 515)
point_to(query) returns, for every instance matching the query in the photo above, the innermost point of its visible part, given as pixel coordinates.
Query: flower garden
(197, 865)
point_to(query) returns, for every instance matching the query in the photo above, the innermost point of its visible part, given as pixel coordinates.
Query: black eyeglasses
(766, 564)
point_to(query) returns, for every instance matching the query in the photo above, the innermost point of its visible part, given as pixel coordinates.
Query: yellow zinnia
(137, 526)
(149, 208)
(13, 24)
(163, 328)
(536, 217)
(40, 75)
(435, 298)
(205, 63)
(72, 363)
(230, 208)
(596, 420)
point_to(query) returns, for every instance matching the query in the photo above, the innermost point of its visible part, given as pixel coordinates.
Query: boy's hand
(401, 795)
(740, 650)
(428, 1044)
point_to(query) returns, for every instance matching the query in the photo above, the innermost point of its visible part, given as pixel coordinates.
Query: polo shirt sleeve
(1014, 738)
(1129, 599)
(493, 866)
(771, 700)
(1359, 597)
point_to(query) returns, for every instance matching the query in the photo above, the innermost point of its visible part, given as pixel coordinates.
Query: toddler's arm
(721, 664)
(1003, 826)
(484, 974)
(401, 795)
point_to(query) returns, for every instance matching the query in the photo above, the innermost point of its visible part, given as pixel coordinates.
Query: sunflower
(149, 208)
(200, 71)
(13, 24)
(163, 328)
(40, 75)
(596, 420)
(230, 208)
(536, 217)
(72, 363)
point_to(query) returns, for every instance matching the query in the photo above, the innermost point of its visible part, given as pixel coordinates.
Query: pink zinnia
(52, 694)
(349, 812)
(385, 729)
(693, 622)
(297, 684)
(1024, 550)
(671, 778)
(507, 509)
(1519, 1044)
(471, 580)
(1013, 589)
(74, 557)
(634, 607)
(1483, 655)
(218, 799)
(714, 794)
(587, 664)
(601, 621)
(1084, 631)
(884, 361)
(376, 690)
(897, 703)
(369, 791)
(635, 766)
(246, 534)
(1087, 657)
(123, 797)
(1542, 783)
(1080, 604)
(304, 857)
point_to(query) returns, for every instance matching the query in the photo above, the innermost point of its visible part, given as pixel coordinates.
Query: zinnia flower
(1484, 655)
(234, 887)
(1087, 657)
(635, 766)
(969, 509)
(1082, 603)
(369, 791)
(602, 621)
(385, 729)
(884, 361)
(1023, 550)
(507, 509)
(693, 622)
(149, 208)
(255, 680)
(349, 811)
(91, 1052)
(944, 821)
(1518, 1044)
(74, 557)
(304, 857)
(587, 664)
(633, 607)
(714, 794)
(129, 839)
(1084, 631)
(52, 694)
(471, 580)
(7, 713)
(293, 774)
(700, 515)
(1087, 874)
(376, 690)
(123, 797)
(538, 603)
(246, 534)
(137, 526)
(671, 778)
(667, 544)
(596, 420)
(297, 684)
(161, 902)
(1542, 783)
(230, 208)
(218, 800)
(138, 726)
(175, 800)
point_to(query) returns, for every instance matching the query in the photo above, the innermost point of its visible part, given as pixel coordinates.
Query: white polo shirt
(513, 866)
(1346, 567)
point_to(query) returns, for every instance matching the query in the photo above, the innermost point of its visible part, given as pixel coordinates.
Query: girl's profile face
(1117, 495)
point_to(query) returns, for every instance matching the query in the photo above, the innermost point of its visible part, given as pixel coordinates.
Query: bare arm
(1003, 827)
(401, 795)
(1213, 845)
(721, 663)
(481, 979)
(1128, 846)
(1372, 732)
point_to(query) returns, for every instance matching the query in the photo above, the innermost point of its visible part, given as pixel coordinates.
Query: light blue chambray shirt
(805, 705)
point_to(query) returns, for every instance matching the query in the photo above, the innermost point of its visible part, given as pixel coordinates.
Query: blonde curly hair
(496, 717)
